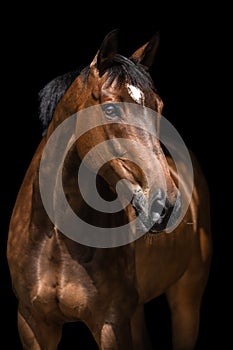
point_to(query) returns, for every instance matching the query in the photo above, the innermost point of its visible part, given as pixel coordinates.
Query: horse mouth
(157, 228)
(151, 228)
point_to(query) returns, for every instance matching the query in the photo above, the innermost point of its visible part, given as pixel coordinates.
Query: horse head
(119, 109)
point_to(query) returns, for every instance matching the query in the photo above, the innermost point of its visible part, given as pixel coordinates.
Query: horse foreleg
(185, 308)
(140, 336)
(37, 335)
(184, 296)
(184, 299)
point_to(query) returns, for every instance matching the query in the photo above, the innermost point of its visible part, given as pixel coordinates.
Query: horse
(59, 277)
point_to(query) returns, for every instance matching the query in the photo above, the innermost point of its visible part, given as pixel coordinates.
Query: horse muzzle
(158, 215)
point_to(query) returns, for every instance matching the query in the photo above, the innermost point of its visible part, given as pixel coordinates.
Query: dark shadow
(76, 335)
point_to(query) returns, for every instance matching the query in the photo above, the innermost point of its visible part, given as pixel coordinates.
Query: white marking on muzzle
(136, 94)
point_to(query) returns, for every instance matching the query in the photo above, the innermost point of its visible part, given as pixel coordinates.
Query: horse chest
(88, 290)
(75, 292)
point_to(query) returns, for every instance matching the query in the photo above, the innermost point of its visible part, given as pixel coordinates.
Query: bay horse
(59, 279)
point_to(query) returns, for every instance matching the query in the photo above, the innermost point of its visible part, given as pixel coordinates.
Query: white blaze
(136, 94)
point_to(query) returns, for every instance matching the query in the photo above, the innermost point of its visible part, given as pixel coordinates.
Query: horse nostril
(138, 202)
(176, 211)
(159, 208)
(162, 213)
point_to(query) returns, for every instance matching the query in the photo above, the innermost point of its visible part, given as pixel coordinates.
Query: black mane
(51, 94)
(118, 69)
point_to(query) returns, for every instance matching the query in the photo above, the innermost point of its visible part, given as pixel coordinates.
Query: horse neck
(75, 198)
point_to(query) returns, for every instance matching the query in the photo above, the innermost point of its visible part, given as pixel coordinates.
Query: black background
(42, 44)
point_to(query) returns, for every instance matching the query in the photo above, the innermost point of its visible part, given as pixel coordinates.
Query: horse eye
(111, 110)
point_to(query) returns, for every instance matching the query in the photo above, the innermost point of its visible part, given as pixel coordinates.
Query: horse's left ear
(107, 51)
(146, 53)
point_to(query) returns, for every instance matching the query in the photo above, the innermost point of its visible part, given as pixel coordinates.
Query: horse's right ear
(106, 52)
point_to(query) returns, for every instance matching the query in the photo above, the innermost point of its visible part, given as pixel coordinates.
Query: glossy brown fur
(57, 280)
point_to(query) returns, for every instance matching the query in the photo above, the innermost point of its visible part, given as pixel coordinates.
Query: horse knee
(115, 336)
(108, 337)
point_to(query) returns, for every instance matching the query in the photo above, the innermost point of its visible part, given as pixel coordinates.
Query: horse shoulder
(198, 216)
